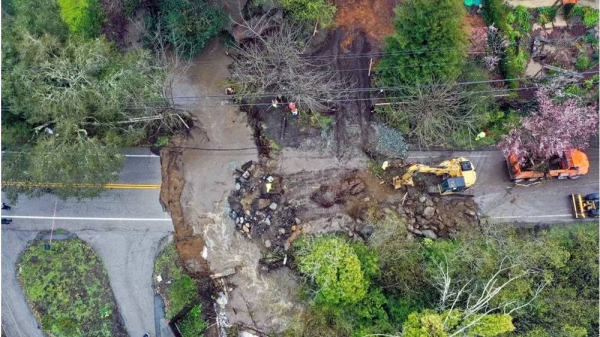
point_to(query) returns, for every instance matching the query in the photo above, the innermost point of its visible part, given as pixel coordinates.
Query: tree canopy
(83, 17)
(429, 43)
(502, 281)
(187, 24)
(429, 323)
(69, 104)
(335, 268)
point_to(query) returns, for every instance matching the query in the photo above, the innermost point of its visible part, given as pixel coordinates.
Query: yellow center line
(108, 186)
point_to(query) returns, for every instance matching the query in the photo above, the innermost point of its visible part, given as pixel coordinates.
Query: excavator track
(434, 190)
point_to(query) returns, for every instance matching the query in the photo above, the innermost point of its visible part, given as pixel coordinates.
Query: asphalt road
(545, 202)
(123, 226)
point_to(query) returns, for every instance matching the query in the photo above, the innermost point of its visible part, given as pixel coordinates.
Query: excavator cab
(452, 185)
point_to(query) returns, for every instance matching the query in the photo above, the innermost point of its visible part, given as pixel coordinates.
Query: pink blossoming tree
(552, 129)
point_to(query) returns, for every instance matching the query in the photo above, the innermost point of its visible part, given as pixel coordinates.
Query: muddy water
(199, 177)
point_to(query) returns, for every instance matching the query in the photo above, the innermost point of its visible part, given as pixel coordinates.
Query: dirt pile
(329, 195)
(374, 17)
(426, 215)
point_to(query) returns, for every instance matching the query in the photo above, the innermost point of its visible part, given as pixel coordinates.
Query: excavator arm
(453, 168)
(407, 178)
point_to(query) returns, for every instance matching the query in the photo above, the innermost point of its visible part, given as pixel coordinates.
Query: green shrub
(16, 134)
(334, 267)
(495, 12)
(320, 121)
(591, 39)
(310, 11)
(182, 290)
(38, 17)
(589, 84)
(590, 17)
(188, 24)
(575, 90)
(522, 19)
(515, 25)
(572, 11)
(546, 15)
(83, 17)
(514, 65)
(582, 62)
(192, 324)
(162, 141)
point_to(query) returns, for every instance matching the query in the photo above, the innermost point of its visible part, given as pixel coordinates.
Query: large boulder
(428, 233)
(428, 212)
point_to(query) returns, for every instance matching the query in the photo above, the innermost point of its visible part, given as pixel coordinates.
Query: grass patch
(320, 121)
(67, 288)
(192, 324)
(377, 171)
(273, 145)
(177, 289)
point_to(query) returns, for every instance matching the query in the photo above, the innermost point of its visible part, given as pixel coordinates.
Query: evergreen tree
(429, 43)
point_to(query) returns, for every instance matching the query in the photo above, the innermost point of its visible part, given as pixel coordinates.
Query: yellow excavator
(458, 175)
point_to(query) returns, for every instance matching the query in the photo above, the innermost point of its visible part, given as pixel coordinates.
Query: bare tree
(275, 63)
(432, 114)
(475, 298)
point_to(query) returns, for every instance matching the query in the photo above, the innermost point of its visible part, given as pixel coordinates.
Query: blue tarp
(473, 2)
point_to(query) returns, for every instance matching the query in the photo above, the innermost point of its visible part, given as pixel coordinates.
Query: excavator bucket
(578, 209)
(399, 182)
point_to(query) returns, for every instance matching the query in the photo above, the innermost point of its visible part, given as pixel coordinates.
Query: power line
(499, 91)
(342, 100)
(389, 88)
(345, 91)
(371, 99)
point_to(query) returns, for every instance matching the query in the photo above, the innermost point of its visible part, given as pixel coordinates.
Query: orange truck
(571, 165)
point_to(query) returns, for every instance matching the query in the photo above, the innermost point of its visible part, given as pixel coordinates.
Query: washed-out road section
(123, 226)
